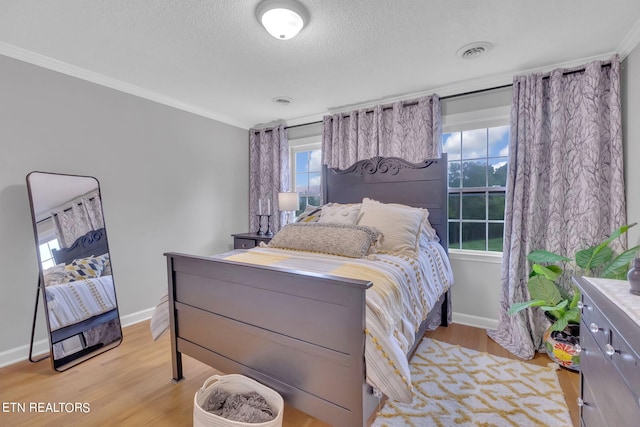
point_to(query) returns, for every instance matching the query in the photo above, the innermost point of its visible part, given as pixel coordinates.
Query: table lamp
(288, 202)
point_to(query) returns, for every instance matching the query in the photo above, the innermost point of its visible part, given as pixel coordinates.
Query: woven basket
(234, 383)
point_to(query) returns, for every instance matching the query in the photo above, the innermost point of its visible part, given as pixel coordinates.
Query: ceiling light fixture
(283, 19)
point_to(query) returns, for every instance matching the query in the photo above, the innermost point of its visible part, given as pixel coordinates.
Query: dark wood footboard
(298, 333)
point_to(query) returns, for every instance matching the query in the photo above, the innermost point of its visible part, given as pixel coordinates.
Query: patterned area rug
(455, 386)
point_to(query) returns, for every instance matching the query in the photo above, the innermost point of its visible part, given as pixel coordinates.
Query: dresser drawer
(243, 243)
(590, 414)
(628, 363)
(593, 318)
(607, 400)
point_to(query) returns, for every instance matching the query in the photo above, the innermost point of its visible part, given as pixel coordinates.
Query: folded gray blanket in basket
(242, 407)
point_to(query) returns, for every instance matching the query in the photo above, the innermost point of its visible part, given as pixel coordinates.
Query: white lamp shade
(283, 19)
(288, 201)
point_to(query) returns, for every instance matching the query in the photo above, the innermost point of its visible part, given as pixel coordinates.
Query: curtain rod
(472, 92)
(73, 204)
(407, 104)
(256, 131)
(577, 70)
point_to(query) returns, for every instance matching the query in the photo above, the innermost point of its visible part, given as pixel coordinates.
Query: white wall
(475, 294)
(170, 181)
(631, 139)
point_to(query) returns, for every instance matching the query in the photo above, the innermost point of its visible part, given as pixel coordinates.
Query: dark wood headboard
(393, 180)
(92, 243)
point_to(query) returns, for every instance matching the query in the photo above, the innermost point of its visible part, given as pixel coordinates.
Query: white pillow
(337, 213)
(400, 225)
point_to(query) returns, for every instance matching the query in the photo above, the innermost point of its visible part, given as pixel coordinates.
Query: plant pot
(562, 346)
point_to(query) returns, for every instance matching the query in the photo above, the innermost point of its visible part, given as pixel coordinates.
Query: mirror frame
(86, 353)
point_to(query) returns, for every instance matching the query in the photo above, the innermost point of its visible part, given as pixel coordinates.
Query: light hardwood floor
(130, 385)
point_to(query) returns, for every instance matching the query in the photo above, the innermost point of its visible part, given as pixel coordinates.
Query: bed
(300, 331)
(81, 300)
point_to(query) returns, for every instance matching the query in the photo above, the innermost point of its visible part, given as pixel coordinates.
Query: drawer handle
(593, 327)
(608, 348)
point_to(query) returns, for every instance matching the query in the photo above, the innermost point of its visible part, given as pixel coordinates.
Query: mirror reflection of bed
(75, 277)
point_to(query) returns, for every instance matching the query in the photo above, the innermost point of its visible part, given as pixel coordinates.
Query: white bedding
(395, 308)
(73, 302)
(405, 288)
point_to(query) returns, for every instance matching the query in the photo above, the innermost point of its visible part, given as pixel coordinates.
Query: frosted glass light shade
(283, 19)
(288, 201)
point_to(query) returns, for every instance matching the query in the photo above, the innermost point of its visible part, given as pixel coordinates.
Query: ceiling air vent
(282, 100)
(474, 50)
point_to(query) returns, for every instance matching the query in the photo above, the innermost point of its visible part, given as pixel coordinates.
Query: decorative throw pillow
(335, 239)
(339, 213)
(54, 275)
(83, 268)
(400, 225)
(106, 262)
(310, 214)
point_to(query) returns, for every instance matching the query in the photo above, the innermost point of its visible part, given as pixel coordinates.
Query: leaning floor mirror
(75, 279)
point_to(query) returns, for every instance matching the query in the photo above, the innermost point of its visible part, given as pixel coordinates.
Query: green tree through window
(477, 173)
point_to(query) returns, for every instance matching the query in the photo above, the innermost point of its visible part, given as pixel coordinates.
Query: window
(478, 161)
(46, 257)
(307, 171)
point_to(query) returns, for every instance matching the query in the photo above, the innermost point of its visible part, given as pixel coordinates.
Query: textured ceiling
(213, 58)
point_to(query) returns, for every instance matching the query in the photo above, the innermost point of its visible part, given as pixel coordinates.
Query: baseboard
(133, 318)
(476, 321)
(41, 347)
(18, 354)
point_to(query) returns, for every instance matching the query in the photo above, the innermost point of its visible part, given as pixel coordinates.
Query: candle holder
(260, 232)
(268, 232)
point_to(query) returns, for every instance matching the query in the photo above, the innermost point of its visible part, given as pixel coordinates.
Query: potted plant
(561, 306)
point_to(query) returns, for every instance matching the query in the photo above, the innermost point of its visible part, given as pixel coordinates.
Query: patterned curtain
(565, 186)
(84, 215)
(411, 130)
(268, 175)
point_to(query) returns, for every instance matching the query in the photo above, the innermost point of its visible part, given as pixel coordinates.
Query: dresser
(249, 240)
(610, 353)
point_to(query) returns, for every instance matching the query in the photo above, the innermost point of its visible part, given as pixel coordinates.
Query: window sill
(475, 256)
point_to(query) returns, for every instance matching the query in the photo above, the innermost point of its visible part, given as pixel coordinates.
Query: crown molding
(483, 83)
(461, 87)
(102, 80)
(630, 42)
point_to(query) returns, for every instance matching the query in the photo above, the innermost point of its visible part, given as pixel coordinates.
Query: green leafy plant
(545, 286)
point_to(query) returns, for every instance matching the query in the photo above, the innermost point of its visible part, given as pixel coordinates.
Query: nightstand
(249, 240)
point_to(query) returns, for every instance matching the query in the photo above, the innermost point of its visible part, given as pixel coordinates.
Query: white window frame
(298, 145)
(46, 235)
(477, 119)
